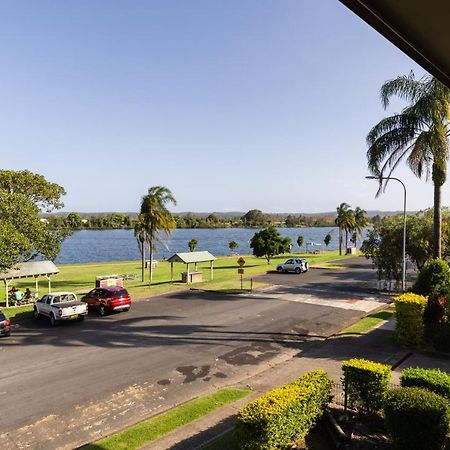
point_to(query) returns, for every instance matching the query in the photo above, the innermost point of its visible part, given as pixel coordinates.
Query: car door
(92, 298)
(289, 265)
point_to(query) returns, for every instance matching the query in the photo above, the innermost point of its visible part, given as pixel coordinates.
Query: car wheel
(80, 318)
(279, 269)
(52, 320)
(297, 270)
(102, 310)
(35, 314)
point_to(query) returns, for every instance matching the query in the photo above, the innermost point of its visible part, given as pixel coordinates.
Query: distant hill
(229, 214)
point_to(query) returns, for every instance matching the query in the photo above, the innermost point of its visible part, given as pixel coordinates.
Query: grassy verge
(80, 278)
(367, 323)
(152, 429)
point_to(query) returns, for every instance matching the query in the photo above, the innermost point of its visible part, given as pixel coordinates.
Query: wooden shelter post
(211, 267)
(171, 271)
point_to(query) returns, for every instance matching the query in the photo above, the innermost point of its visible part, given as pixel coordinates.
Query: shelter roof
(191, 257)
(30, 269)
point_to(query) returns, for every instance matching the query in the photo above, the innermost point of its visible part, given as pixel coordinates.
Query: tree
(73, 220)
(140, 235)
(327, 239)
(360, 221)
(300, 241)
(345, 220)
(233, 245)
(418, 133)
(23, 235)
(156, 218)
(254, 218)
(268, 242)
(192, 244)
(292, 221)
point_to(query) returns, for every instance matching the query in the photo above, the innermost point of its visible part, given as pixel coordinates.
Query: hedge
(417, 419)
(431, 379)
(366, 384)
(409, 328)
(286, 413)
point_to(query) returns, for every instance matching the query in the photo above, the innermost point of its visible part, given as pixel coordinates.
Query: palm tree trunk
(340, 241)
(142, 260)
(437, 226)
(151, 264)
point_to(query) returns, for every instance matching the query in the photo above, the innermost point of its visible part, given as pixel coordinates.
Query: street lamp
(404, 224)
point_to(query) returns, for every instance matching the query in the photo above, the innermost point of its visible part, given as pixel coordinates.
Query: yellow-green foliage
(409, 309)
(283, 414)
(366, 383)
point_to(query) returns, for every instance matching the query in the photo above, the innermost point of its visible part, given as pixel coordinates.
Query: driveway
(64, 386)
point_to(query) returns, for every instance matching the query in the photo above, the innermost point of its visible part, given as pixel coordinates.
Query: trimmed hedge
(417, 419)
(366, 384)
(434, 277)
(431, 379)
(286, 413)
(409, 328)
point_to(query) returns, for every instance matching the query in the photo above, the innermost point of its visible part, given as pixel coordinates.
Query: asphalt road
(62, 386)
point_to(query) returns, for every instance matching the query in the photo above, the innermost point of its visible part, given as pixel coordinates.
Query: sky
(232, 105)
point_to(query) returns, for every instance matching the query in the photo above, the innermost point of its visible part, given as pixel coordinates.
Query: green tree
(300, 241)
(73, 220)
(192, 244)
(327, 239)
(157, 218)
(268, 242)
(360, 218)
(418, 133)
(345, 220)
(23, 235)
(292, 221)
(233, 245)
(254, 218)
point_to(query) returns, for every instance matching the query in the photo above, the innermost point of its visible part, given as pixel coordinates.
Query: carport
(35, 269)
(191, 258)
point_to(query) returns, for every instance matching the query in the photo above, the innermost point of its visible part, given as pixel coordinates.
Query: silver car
(297, 265)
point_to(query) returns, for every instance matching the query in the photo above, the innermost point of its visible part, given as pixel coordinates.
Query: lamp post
(404, 224)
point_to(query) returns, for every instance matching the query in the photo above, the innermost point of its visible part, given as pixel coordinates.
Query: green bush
(416, 419)
(431, 379)
(434, 277)
(366, 384)
(409, 309)
(278, 417)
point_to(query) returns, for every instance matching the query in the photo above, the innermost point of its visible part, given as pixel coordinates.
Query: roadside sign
(241, 271)
(241, 261)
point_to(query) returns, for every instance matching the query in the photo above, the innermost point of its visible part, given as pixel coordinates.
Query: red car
(108, 300)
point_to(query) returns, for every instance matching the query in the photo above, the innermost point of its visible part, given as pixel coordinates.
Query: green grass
(367, 323)
(80, 278)
(151, 429)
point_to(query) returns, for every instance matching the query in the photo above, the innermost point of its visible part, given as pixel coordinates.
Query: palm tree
(139, 234)
(192, 244)
(345, 220)
(156, 217)
(360, 216)
(419, 134)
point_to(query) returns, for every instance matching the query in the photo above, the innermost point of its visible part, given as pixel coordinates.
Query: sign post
(241, 262)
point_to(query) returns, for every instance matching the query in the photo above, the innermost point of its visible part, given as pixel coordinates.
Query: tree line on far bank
(252, 219)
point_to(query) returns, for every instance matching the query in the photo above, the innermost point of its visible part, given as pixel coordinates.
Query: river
(120, 245)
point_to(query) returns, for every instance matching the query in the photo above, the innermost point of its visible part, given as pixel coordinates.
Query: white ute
(60, 306)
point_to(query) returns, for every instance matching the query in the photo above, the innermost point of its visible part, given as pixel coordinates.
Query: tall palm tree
(156, 218)
(419, 134)
(345, 220)
(360, 217)
(139, 234)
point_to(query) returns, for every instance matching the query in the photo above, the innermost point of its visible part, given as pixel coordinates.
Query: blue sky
(233, 105)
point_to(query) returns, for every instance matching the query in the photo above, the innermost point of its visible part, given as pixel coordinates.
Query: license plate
(74, 316)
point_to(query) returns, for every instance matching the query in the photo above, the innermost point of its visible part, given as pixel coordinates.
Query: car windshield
(119, 293)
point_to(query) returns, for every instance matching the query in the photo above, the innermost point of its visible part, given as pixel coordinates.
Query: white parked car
(297, 265)
(60, 306)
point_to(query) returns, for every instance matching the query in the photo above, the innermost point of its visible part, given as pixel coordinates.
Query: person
(18, 295)
(28, 295)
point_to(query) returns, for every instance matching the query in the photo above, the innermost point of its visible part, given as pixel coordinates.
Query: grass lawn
(367, 323)
(153, 428)
(80, 278)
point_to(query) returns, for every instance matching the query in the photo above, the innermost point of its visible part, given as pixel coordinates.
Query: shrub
(431, 379)
(409, 328)
(278, 417)
(366, 383)
(434, 277)
(416, 419)
(435, 311)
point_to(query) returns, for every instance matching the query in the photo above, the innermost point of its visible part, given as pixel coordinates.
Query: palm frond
(406, 87)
